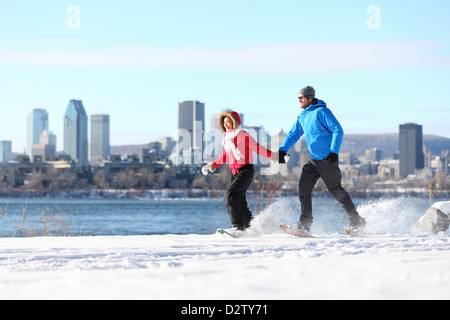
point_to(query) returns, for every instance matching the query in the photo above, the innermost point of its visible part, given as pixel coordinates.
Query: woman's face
(228, 124)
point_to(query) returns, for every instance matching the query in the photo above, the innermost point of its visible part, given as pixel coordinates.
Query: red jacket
(246, 145)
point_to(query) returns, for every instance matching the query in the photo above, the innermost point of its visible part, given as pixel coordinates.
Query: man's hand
(333, 157)
(279, 156)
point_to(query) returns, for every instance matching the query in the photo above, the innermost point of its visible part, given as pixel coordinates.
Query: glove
(206, 169)
(280, 156)
(333, 157)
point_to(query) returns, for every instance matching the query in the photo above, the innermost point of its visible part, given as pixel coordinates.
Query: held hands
(281, 157)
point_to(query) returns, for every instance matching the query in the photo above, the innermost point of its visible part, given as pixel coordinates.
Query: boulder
(436, 219)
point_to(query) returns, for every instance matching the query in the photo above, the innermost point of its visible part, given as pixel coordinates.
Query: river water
(83, 217)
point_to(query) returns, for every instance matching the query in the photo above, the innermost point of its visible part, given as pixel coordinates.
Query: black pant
(331, 176)
(235, 199)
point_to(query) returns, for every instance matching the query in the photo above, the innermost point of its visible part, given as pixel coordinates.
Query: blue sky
(376, 64)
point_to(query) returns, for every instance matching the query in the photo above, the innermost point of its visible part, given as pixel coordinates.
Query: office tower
(76, 132)
(45, 149)
(191, 120)
(373, 154)
(167, 145)
(37, 123)
(99, 138)
(215, 121)
(47, 138)
(5, 150)
(410, 148)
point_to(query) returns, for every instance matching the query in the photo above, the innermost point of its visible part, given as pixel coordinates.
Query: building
(389, 168)
(37, 122)
(191, 126)
(46, 148)
(76, 132)
(167, 145)
(100, 138)
(5, 151)
(441, 162)
(410, 148)
(373, 154)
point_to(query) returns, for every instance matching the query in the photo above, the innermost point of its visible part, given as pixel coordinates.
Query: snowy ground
(267, 265)
(274, 266)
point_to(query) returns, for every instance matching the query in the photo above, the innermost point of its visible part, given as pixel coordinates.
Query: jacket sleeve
(247, 145)
(259, 149)
(220, 160)
(334, 126)
(292, 137)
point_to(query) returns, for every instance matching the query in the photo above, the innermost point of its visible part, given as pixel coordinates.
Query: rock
(436, 219)
(444, 206)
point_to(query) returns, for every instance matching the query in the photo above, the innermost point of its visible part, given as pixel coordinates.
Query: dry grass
(49, 224)
(431, 186)
(264, 195)
(25, 209)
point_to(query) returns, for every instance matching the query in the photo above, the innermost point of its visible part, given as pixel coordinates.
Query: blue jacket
(322, 131)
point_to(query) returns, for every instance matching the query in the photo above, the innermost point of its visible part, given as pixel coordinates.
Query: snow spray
(383, 216)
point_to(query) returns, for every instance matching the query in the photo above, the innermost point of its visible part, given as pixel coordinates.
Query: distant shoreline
(173, 194)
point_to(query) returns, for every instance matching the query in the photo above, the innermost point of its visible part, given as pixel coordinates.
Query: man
(324, 136)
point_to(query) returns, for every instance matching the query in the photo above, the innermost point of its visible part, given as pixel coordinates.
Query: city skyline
(375, 64)
(102, 130)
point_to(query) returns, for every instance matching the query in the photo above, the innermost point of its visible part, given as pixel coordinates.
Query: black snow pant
(235, 197)
(331, 176)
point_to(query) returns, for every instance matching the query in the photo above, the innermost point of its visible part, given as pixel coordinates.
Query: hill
(388, 143)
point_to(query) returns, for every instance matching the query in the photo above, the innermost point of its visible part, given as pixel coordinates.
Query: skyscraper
(46, 148)
(99, 138)
(37, 122)
(5, 150)
(410, 148)
(191, 120)
(76, 132)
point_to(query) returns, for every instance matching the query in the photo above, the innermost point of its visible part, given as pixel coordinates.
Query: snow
(265, 264)
(444, 206)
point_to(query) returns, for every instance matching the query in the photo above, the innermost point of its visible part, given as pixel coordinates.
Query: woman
(238, 153)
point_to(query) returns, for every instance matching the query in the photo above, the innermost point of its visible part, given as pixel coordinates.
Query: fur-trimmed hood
(234, 116)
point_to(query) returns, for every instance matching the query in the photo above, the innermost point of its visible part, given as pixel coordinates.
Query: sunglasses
(301, 98)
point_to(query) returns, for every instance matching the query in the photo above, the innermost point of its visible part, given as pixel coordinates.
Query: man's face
(305, 102)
